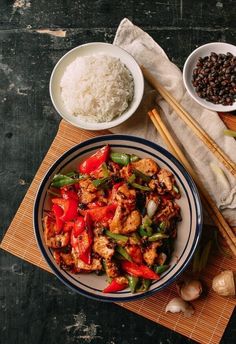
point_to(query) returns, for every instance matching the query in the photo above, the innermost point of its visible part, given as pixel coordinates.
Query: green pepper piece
(131, 179)
(142, 231)
(142, 175)
(122, 251)
(145, 231)
(60, 180)
(134, 158)
(136, 238)
(72, 174)
(149, 231)
(104, 265)
(159, 269)
(105, 170)
(162, 227)
(144, 285)
(141, 187)
(120, 158)
(147, 221)
(158, 236)
(133, 281)
(103, 182)
(116, 237)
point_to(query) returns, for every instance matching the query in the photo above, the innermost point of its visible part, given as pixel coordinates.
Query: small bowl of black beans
(210, 76)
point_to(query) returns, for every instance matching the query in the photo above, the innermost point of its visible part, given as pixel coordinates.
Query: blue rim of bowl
(193, 94)
(190, 182)
(68, 53)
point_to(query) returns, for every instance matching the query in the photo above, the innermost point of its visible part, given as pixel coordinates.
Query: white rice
(98, 88)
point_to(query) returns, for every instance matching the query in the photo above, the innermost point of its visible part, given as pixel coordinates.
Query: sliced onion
(151, 208)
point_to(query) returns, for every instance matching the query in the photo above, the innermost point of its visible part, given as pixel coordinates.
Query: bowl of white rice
(96, 86)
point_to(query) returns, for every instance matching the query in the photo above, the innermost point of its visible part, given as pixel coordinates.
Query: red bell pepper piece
(139, 270)
(58, 212)
(86, 257)
(83, 242)
(68, 226)
(94, 161)
(69, 193)
(79, 226)
(102, 214)
(135, 254)
(114, 286)
(69, 207)
(77, 186)
(117, 185)
(88, 225)
(81, 245)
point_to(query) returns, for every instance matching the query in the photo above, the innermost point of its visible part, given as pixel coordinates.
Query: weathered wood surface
(35, 306)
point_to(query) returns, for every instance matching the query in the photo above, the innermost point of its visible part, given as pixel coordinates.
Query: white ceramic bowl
(188, 232)
(190, 64)
(92, 49)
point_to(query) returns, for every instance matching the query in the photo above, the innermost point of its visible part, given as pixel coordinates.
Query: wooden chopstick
(207, 201)
(210, 143)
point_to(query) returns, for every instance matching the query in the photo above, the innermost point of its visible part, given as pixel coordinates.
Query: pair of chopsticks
(207, 201)
(210, 143)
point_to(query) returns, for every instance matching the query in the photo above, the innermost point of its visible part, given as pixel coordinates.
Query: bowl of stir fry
(117, 218)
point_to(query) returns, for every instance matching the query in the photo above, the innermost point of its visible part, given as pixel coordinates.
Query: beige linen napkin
(148, 53)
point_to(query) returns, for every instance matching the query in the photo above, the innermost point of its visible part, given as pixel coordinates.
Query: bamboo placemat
(212, 313)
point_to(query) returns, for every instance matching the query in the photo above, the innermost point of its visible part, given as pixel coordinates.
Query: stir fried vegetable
(117, 215)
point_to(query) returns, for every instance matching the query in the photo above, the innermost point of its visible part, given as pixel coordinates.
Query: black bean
(214, 78)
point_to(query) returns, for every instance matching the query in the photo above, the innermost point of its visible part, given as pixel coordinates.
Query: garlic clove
(151, 208)
(224, 283)
(189, 290)
(177, 305)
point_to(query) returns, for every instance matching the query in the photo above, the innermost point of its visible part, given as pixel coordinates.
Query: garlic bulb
(224, 283)
(151, 208)
(177, 305)
(189, 290)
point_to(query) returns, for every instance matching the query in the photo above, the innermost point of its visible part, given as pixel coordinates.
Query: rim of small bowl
(188, 72)
(116, 121)
(133, 139)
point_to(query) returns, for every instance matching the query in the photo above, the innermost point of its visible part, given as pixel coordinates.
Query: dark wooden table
(35, 306)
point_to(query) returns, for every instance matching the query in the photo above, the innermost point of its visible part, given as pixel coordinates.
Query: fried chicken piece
(150, 253)
(126, 197)
(125, 224)
(51, 238)
(132, 222)
(166, 177)
(112, 268)
(170, 210)
(146, 166)
(87, 191)
(126, 171)
(94, 266)
(103, 246)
